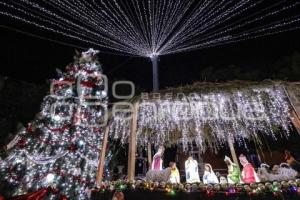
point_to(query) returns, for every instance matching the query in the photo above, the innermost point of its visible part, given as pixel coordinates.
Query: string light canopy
(151, 28)
(207, 115)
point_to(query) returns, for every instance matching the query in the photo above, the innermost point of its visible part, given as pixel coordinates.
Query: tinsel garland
(95, 148)
(58, 129)
(75, 178)
(13, 142)
(275, 188)
(42, 160)
(70, 81)
(74, 69)
(20, 141)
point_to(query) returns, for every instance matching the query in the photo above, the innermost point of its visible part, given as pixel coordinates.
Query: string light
(207, 119)
(50, 178)
(150, 28)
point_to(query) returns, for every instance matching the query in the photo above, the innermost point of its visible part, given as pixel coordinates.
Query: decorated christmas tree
(60, 148)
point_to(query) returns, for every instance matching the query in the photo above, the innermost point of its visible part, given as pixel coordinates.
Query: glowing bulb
(56, 118)
(81, 143)
(153, 55)
(50, 178)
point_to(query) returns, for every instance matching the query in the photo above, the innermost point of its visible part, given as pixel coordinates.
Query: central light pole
(154, 60)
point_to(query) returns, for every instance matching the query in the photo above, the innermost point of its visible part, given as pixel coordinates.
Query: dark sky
(34, 60)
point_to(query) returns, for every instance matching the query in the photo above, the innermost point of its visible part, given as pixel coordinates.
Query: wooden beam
(149, 155)
(232, 151)
(100, 170)
(132, 145)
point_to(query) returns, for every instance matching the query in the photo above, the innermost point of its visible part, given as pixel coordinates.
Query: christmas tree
(60, 147)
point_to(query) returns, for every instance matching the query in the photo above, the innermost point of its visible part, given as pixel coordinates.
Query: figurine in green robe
(234, 174)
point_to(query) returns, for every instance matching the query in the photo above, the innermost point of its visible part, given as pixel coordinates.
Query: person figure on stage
(234, 174)
(174, 176)
(157, 159)
(191, 170)
(209, 176)
(248, 173)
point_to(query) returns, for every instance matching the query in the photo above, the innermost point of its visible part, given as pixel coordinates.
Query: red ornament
(88, 71)
(63, 128)
(96, 129)
(29, 128)
(88, 84)
(38, 195)
(70, 80)
(2, 197)
(22, 143)
(73, 69)
(72, 148)
(63, 197)
(210, 193)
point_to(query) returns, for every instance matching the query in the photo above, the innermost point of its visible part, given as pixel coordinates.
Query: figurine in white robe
(191, 170)
(209, 176)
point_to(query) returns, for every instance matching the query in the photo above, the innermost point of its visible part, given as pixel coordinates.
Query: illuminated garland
(255, 189)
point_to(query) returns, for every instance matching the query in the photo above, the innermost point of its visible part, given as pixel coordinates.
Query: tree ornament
(217, 187)
(77, 171)
(50, 178)
(118, 195)
(63, 197)
(22, 143)
(298, 182)
(38, 195)
(29, 128)
(284, 184)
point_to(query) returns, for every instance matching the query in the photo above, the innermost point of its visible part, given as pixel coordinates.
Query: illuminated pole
(154, 60)
(155, 83)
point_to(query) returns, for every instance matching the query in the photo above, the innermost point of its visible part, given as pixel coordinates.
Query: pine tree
(60, 147)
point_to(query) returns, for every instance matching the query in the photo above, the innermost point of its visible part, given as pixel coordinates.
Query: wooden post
(232, 151)
(295, 120)
(149, 155)
(132, 145)
(295, 103)
(100, 170)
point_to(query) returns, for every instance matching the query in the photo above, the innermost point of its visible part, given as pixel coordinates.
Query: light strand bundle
(148, 27)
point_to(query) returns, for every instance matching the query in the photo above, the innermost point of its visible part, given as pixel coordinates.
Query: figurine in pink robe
(157, 159)
(248, 174)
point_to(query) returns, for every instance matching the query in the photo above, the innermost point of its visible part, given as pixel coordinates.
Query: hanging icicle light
(208, 118)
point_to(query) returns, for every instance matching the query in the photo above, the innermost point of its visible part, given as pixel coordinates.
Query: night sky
(31, 59)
